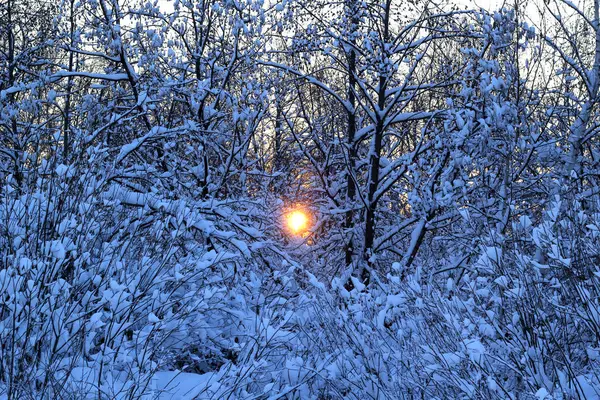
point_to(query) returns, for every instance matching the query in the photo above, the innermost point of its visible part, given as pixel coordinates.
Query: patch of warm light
(297, 221)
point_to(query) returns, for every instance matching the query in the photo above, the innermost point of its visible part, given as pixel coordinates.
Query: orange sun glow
(297, 221)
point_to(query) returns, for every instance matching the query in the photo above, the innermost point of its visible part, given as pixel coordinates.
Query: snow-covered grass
(110, 294)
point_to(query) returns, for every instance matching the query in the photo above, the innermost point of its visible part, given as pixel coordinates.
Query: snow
(57, 250)
(475, 350)
(175, 385)
(89, 75)
(147, 164)
(542, 394)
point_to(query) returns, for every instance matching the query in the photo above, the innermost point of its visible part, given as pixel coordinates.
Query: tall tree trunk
(16, 142)
(67, 121)
(375, 155)
(277, 156)
(351, 132)
(579, 128)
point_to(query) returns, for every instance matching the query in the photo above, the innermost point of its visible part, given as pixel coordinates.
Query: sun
(297, 221)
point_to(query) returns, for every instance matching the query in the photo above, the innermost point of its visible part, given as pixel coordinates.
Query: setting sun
(297, 221)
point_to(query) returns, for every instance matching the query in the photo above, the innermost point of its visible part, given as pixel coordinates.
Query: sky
(490, 5)
(531, 6)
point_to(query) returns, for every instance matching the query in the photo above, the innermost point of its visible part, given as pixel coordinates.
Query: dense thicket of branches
(448, 159)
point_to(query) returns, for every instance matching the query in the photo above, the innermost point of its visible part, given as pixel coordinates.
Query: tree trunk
(277, 156)
(580, 126)
(350, 135)
(375, 156)
(67, 122)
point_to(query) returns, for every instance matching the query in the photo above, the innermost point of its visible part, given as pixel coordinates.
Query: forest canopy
(299, 199)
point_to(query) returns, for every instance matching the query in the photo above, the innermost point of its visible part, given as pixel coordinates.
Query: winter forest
(299, 199)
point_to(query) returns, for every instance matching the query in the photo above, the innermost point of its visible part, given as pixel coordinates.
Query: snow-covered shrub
(101, 285)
